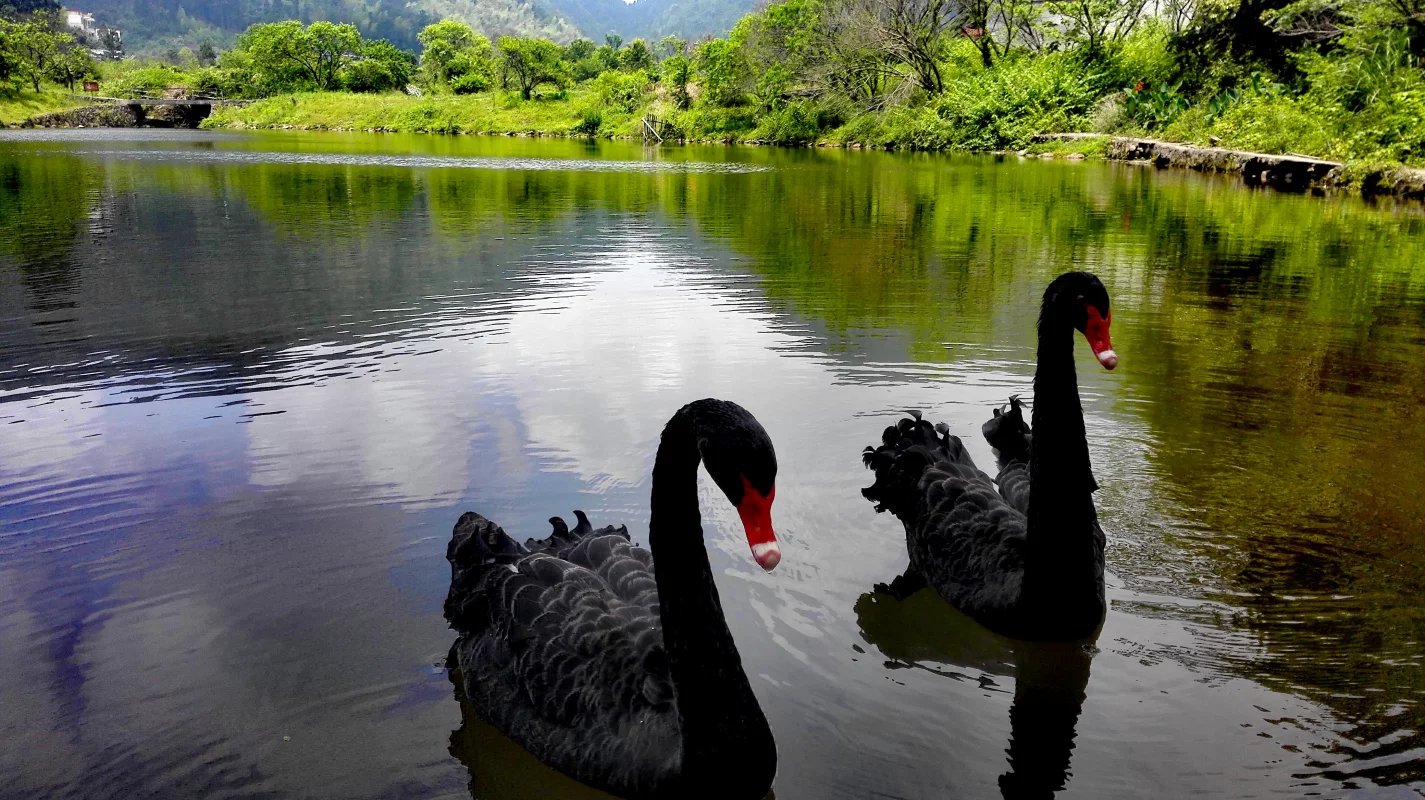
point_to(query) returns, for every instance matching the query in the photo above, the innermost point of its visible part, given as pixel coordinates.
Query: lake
(248, 382)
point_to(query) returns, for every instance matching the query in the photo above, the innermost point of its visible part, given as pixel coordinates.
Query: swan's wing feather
(1013, 480)
(577, 650)
(476, 547)
(1008, 433)
(564, 638)
(968, 540)
(907, 450)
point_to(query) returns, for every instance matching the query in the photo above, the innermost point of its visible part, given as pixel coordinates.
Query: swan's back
(963, 536)
(561, 649)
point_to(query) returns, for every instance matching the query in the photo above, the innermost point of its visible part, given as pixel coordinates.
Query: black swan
(1027, 562)
(613, 663)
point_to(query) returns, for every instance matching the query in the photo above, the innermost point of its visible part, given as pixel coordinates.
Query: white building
(81, 21)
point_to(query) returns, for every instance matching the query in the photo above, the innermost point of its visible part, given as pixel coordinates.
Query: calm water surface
(248, 382)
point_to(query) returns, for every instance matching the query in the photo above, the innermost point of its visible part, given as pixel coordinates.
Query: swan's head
(738, 455)
(1081, 298)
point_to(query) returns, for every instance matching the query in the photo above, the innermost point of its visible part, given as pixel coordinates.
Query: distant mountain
(155, 24)
(653, 19)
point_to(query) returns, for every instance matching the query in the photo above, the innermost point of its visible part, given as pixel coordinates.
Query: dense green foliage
(916, 74)
(34, 48)
(1332, 78)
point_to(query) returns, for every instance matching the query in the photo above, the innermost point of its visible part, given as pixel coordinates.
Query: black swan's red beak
(1096, 331)
(756, 512)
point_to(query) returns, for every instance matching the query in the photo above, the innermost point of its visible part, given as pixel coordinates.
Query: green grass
(1088, 147)
(490, 112)
(19, 106)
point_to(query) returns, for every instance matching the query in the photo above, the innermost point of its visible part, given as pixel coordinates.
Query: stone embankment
(112, 116)
(108, 116)
(1287, 173)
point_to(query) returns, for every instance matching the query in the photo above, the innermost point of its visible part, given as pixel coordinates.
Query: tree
(635, 56)
(851, 58)
(441, 43)
(71, 64)
(578, 50)
(21, 8)
(272, 54)
(474, 68)
(993, 25)
(207, 56)
(9, 57)
(1095, 24)
(722, 68)
(284, 54)
(37, 47)
(527, 63)
(677, 74)
(670, 46)
(381, 67)
(613, 41)
(913, 32)
(330, 47)
(775, 49)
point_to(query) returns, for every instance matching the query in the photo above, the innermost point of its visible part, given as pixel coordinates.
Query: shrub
(1154, 107)
(591, 123)
(471, 83)
(1003, 107)
(219, 81)
(1145, 56)
(1275, 124)
(152, 79)
(368, 75)
(794, 123)
(620, 90)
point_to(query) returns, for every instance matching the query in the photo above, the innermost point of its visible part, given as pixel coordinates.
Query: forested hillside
(155, 24)
(654, 19)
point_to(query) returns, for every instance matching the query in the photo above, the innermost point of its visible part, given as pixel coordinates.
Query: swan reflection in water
(1050, 678)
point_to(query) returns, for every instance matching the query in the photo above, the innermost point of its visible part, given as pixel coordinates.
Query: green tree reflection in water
(44, 201)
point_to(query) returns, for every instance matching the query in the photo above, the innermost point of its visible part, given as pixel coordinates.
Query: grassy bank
(490, 112)
(19, 106)
(1345, 108)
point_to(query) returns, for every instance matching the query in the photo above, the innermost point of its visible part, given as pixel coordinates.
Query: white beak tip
(768, 555)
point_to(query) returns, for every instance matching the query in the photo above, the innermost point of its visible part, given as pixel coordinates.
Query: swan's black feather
(963, 537)
(561, 648)
(1008, 433)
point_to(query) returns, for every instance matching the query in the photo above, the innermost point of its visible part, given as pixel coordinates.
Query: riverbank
(21, 107)
(488, 112)
(1287, 172)
(570, 114)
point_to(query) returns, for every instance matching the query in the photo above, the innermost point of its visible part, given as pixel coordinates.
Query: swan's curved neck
(1059, 559)
(722, 725)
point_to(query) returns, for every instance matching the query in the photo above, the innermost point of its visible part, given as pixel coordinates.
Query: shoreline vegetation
(1213, 86)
